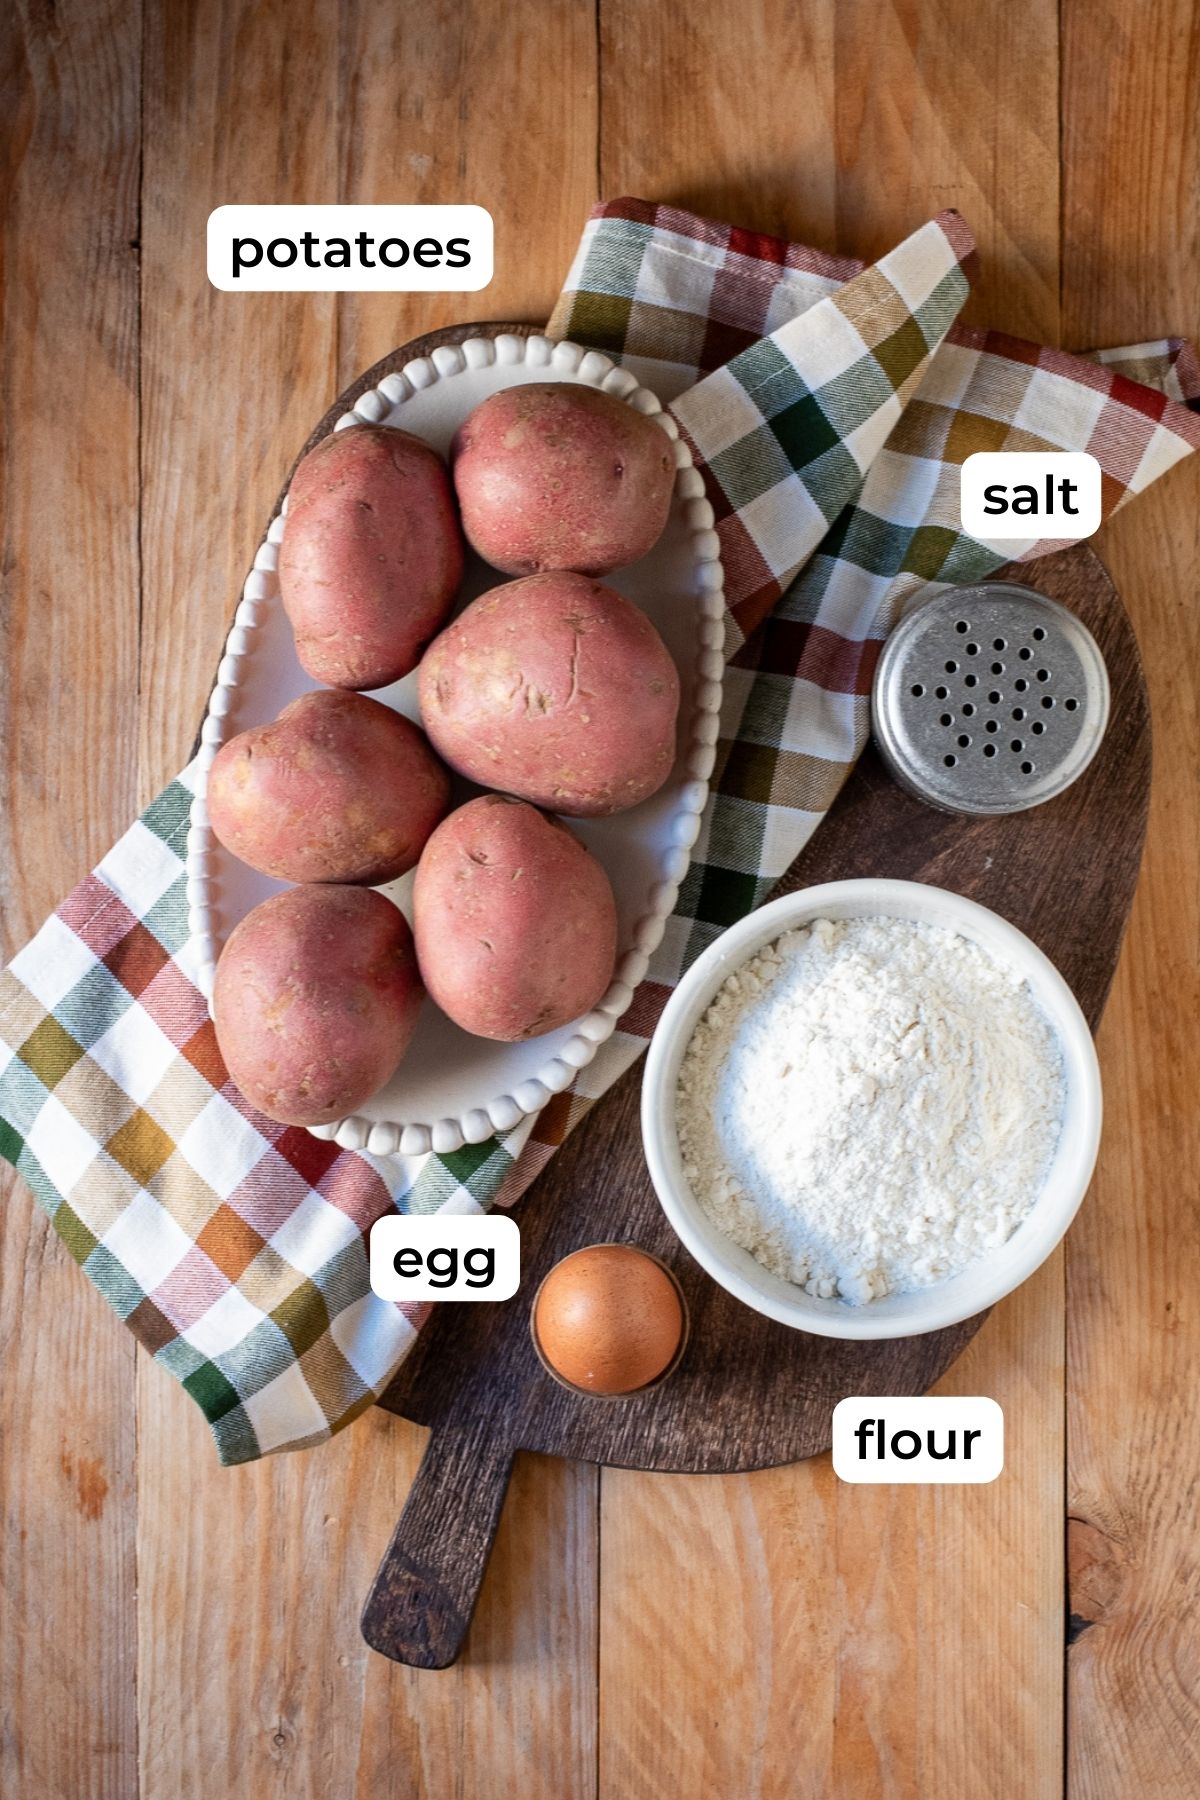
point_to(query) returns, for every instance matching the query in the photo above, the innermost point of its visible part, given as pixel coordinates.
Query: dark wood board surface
(749, 1392)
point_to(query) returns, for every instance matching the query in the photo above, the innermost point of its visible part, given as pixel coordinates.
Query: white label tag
(922, 1439)
(445, 1256)
(1030, 494)
(350, 249)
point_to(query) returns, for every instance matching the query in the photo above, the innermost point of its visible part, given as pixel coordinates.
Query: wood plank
(69, 96)
(517, 1713)
(944, 105)
(1132, 142)
(521, 1705)
(231, 382)
(241, 1614)
(464, 101)
(268, 1684)
(251, 1580)
(928, 107)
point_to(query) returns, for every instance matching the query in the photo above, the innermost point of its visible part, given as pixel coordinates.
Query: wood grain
(1131, 133)
(467, 101)
(428, 103)
(750, 1635)
(227, 118)
(70, 100)
(240, 104)
(880, 114)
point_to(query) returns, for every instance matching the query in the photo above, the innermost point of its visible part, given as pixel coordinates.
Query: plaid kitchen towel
(828, 408)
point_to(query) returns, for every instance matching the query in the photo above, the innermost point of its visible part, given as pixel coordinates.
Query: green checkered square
(11, 1142)
(168, 918)
(770, 379)
(93, 1005)
(343, 1279)
(855, 395)
(169, 815)
(804, 433)
(829, 478)
(22, 1096)
(752, 466)
(877, 545)
(212, 1391)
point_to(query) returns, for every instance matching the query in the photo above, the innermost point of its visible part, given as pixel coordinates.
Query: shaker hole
(1027, 768)
(989, 749)
(1070, 705)
(949, 761)
(1039, 633)
(962, 627)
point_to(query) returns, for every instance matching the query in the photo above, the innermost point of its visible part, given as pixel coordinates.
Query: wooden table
(170, 1629)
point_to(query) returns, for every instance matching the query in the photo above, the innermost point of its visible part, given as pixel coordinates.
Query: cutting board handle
(423, 1596)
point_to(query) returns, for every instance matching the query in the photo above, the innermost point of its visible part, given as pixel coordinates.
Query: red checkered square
(176, 1005)
(1140, 399)
(136, 959)
(356, 1190)
(96, 916)
(190, 1289)
(271, 1192)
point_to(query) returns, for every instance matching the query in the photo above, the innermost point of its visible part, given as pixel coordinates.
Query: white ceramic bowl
(996, 1273)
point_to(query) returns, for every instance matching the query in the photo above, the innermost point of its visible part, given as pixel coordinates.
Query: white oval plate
(452, 1088)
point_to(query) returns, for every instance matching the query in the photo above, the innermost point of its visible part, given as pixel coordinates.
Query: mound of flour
(869, 1105)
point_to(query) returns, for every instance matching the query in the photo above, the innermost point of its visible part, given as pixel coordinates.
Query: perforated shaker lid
(989, 700)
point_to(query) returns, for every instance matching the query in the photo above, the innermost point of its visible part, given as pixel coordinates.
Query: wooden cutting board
(749, 1393)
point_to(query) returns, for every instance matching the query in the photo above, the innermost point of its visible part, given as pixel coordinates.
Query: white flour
(869, 1105)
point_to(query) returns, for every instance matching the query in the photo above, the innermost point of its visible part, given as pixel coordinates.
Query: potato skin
(556, 689)
(316, 999)
(515, 922)
(337, 788)
(556, 475)
(372, 555)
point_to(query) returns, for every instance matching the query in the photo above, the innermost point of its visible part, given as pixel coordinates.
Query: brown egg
(608, 1319)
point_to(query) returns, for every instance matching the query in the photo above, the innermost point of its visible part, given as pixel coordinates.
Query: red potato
(555, 475)
(338, 788)
(372, 555)
(316, 1000)
(558, 690)
(515, 922)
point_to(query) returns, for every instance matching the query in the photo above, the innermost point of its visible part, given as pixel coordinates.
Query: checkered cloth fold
(828, 408)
